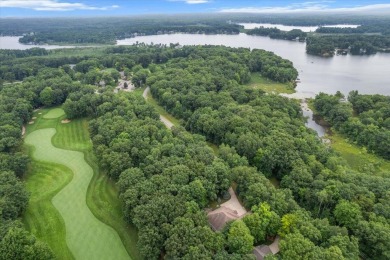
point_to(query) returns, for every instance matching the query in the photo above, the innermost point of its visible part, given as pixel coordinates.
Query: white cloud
(191, 2)
(51, 5)
(318, 6)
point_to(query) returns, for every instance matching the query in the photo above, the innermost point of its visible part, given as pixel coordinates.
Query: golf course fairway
(86, 236)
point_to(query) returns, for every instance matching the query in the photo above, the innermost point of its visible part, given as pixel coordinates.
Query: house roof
(261, 251)
(219, 217)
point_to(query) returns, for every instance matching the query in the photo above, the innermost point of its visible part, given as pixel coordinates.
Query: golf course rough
(86, 236)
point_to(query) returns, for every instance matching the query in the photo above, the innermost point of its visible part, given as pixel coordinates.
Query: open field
(80, 205)
(269, 86)
(357, 157)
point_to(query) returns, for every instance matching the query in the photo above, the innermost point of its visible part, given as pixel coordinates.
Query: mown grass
(357, 157)
(54, 113)
(102, 195)
(269, 86)
(43, 181)
(89, 238)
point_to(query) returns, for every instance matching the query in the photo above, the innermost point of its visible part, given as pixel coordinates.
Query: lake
(291, 27)
(367, 74)
(12, 43)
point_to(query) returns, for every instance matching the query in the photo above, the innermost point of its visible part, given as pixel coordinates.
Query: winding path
(86, 236)
(163, 119)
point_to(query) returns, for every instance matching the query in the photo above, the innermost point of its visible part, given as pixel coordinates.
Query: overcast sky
(28, 8)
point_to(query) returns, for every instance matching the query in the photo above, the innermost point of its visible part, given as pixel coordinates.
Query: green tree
(46, 96)
(239, 238)
(348, 214)
(18, 244)
(295, 246)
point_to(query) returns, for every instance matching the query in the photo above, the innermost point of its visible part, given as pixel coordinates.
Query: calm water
(367, 74)
(289, 28)
(12, 43)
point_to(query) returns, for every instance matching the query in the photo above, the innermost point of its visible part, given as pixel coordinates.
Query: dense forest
(321, 210)
(16, 105)
(354, 44)
(267, 130)
(275, 33)
(103, 31)
(365, 119)
(377, 23)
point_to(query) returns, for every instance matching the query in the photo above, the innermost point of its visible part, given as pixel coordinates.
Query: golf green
(54, 113)
(86, 236)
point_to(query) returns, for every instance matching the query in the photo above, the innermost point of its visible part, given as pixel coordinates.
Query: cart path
(163, 119)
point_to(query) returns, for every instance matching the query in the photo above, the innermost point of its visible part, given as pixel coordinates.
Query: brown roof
(219, 217)
(261, 251)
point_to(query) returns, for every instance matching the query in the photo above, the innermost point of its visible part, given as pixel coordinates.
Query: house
(261, 251)
(219, 217)
(229, 211)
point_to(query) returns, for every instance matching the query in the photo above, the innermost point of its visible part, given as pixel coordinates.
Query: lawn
(41, 217)
(82, 197)
(269, 86)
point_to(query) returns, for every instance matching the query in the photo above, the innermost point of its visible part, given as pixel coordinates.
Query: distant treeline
(368, 23)
(275, 33)
(107, 30)
(354, 44)
(382, 27)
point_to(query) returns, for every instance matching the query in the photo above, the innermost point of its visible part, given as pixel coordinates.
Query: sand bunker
(31, 122)
(65, 121)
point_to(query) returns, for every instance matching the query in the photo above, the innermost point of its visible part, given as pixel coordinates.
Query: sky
(56, 8)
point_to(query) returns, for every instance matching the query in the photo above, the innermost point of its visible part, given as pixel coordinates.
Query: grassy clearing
(269, 86)
(87, 51)
(86, 236)
(358, 158)
(139, 91)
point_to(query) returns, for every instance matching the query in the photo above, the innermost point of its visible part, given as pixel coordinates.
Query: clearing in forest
(268, 85)
(66, 177)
